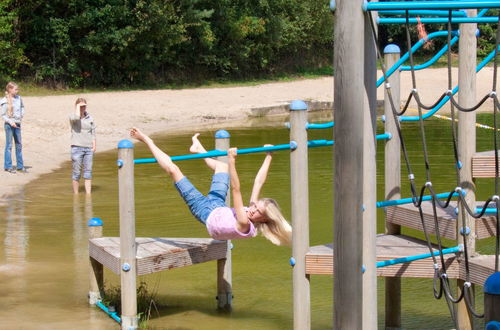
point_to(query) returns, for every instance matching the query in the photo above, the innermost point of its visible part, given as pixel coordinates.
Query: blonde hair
(80, 100)
(276, 228)
(10, 108)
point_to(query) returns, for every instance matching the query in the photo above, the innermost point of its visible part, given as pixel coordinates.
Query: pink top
(221, 224)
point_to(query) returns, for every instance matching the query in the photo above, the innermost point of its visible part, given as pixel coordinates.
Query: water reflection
(16, 232)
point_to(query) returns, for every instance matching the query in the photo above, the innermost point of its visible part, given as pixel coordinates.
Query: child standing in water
(263, 215)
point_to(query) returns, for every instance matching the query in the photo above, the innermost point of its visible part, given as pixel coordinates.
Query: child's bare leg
(163, 159)
(197, 148)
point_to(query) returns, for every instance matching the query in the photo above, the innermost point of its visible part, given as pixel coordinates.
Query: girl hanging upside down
(223, 223)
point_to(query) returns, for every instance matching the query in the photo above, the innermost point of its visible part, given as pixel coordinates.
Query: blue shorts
(201, 206)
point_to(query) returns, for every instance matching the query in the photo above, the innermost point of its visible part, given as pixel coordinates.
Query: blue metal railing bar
(444, 13)
(409, 5)
(437, 20)
(410, 200)
(219, 153)
(113, 315)
(391, 262)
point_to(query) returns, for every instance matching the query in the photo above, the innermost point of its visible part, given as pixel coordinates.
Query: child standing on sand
(222, 222)
(12, 114)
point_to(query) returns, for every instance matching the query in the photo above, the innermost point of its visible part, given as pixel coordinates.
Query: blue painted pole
(391, 262)
(409, 5)
(410, 200)
(414, 48)
(320, 125)
(433, 59)
(444, 13)
(436, 20)
(113, 315)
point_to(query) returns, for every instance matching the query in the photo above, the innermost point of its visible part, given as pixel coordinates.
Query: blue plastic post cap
(492, 325)
(392, 49)
(94, 222)
(492, 284)
(125, 144)
(222, 134)
(298, 105)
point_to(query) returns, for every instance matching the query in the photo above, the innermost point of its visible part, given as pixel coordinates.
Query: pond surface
(44, 257)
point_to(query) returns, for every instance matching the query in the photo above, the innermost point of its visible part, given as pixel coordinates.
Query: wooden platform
(483, 164)
(319, 259)
(158, 254)
(408, 215)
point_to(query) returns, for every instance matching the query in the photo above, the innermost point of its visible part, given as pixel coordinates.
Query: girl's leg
(8, 147)
(197, 148)
(19, 147)
(162, 158)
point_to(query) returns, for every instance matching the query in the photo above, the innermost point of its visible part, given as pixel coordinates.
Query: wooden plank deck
(408, 215)
(155, 254)
(483, 164)
(480, 268)
(319, 259)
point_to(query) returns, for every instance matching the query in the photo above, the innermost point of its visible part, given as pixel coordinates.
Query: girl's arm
(261, 176)
(242, 223)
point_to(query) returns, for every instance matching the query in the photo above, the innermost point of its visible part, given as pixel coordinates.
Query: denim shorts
(81, 157)
(201, 206)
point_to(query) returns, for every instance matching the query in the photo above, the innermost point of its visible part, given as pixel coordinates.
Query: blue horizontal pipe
(489, 210)
(410, 200)
(113, 315)
(454, 91)
(436, 20)
(414, 48)
(458, 13)
(320, 125)
(409, 5)
(218, 153)
(418, 257)
(433, 59)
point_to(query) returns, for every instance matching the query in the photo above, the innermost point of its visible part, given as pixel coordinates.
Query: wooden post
(127, 235)
(392, 161)
(348, 154)
(466, 149)
(300, 215)
(370, 315)
(96, 280)
(224, 266)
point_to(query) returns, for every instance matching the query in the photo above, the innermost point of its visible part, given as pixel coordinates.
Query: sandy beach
(46, 130)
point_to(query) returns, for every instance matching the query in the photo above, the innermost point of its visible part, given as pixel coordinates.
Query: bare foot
(137, 134)
(196, 147)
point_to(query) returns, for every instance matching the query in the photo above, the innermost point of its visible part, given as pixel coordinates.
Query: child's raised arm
(243, 224)
(261, 176)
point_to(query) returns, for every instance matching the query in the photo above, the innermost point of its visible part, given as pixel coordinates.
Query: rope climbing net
(441, 285)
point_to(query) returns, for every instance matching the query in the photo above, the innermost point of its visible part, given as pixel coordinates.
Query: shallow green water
(43, 256)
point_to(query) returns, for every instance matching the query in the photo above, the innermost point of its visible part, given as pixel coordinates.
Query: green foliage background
(83, 43)
(124, 42)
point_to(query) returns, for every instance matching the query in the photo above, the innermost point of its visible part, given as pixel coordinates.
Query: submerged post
(96, 280)
(466, 150)
(392, 163)
(348, 154)
(127, 234)
(300, 215)
(224, 266)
